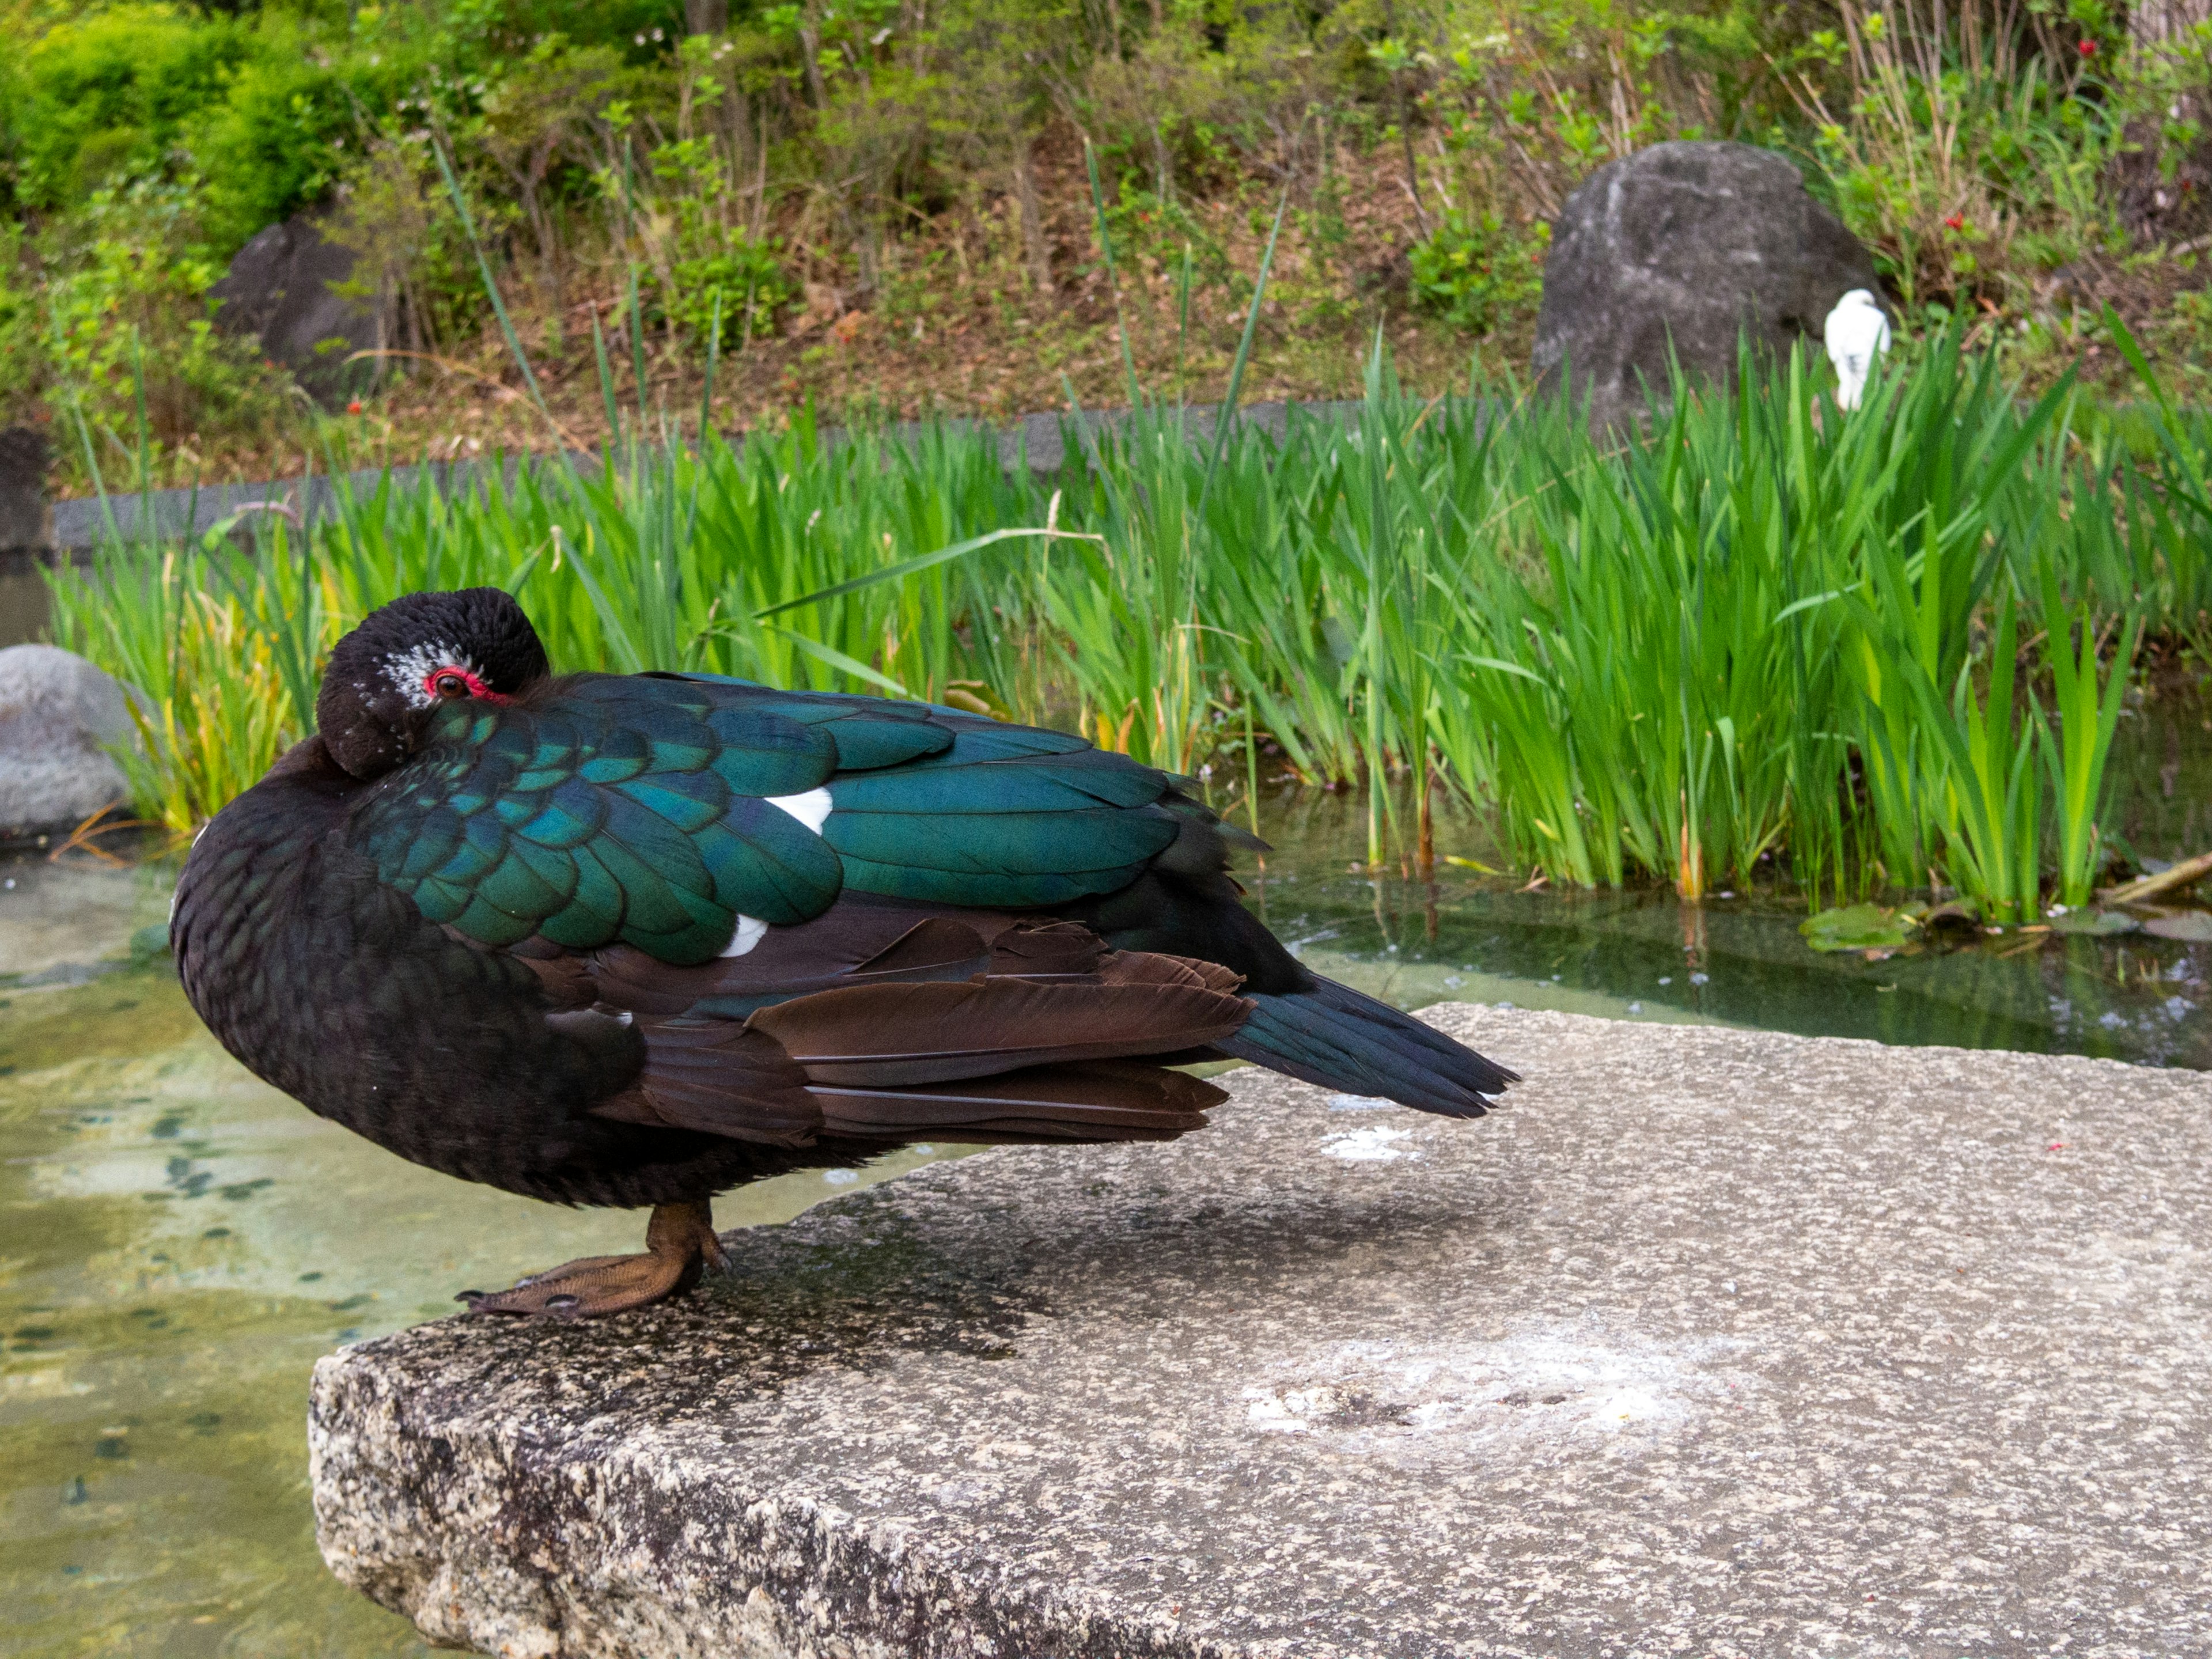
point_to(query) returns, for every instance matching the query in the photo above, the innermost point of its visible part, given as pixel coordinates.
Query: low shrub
(1471, 268)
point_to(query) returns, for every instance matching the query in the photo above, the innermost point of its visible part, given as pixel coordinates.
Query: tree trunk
(705, 17)
(2153, 21)
(1034, 248)
(2155, 208)
(809, 45)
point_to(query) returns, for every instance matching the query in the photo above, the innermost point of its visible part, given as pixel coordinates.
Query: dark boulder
(1693, 244)
(287, 288)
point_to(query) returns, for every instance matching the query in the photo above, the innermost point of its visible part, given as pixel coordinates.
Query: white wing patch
(811, 809)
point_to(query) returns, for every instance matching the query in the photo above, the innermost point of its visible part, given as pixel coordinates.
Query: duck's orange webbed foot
(679, 1244)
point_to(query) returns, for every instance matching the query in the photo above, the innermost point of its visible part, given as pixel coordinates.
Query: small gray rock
(57, 713)
(283, 288)
(1695, 243)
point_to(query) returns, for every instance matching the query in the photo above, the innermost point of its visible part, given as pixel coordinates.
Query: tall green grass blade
(1113, 284)
(491, 287)
(1227, 415)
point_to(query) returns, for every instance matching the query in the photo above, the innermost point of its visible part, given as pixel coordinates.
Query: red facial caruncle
(450, 682)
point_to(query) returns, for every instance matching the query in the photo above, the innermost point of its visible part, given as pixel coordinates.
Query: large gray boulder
(1692, 244)
(57, 714)
(1709, 1341)
(283, 289)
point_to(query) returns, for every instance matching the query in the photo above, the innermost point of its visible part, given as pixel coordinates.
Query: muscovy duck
(635, 939)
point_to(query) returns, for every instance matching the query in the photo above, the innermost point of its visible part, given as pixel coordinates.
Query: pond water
(179, 1243)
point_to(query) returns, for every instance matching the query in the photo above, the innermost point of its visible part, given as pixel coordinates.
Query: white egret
(1857, 334)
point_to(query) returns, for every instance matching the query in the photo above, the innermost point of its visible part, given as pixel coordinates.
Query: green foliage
(1472, 268)
(1970, 147)
(1153, 231)
(131, 272)
(22, 346)
(110, 95)
(714, 267)
(1967, 157)
(1863, 926)
(742, 284)
(202, 635)
(277, 140)
(2088, 698)
(1766, 634)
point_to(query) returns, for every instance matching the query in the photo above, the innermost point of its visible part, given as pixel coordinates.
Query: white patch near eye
(409, 670)
(811, 809)
(750, 931)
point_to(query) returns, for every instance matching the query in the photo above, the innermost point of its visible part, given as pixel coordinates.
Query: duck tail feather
(1332, 1035)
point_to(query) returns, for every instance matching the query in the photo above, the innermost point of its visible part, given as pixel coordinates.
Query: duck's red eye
(451, 683)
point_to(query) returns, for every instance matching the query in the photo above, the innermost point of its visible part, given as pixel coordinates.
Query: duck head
(390, 675)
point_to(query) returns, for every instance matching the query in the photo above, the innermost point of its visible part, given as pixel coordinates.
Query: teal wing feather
(989, 816)
(637, 810)
(999, 820)
(614, 810)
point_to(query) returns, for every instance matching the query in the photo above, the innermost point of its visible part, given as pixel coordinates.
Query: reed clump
(1762, 639)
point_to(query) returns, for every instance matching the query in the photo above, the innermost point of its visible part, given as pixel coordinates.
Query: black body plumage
(635, 940)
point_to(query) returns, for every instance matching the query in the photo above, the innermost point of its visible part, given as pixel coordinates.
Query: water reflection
(179, 1243)
(1641, 955)
(1737, 959)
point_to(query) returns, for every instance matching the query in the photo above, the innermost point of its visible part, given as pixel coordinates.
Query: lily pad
(2193, 926)
(2098, 924)
(1860, 928)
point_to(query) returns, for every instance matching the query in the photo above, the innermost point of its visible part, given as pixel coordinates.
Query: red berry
(1957, 222)
(2088, 48)
(354, 408)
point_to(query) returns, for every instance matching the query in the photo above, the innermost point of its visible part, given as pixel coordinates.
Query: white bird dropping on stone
(1857, 334)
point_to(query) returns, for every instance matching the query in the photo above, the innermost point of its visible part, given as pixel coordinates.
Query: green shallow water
(1739, 959)
(179, 1242)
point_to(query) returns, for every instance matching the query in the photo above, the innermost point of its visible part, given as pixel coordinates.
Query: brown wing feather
(935, 1031)
(714, 1076)
(1102, 1100)
(867, 942)
(1153, 968)
(1056, 950)
(982, 1027)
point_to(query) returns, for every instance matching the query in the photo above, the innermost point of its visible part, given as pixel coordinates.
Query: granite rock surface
(1709, 1341)
(1682, 249)
(299, 293)
(58, 716)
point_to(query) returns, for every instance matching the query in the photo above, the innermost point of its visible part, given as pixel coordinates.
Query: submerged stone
(1710, 1340)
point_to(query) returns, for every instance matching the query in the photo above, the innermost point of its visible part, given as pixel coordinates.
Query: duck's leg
(679, 1242)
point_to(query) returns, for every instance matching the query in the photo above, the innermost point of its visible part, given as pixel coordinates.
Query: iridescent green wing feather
(995, 817)
(639, 809)
(625, 809)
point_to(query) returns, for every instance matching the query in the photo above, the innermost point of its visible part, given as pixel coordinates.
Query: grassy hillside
(1885, 649)
(890, 204)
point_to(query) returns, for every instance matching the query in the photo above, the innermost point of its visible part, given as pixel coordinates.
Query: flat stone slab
(1712, 1342)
